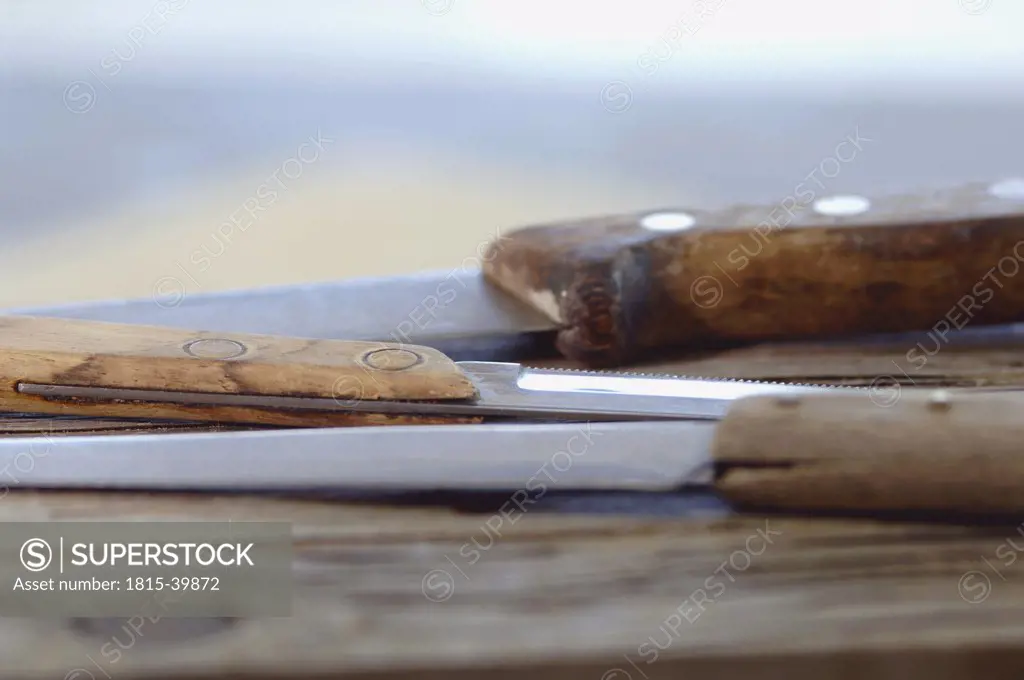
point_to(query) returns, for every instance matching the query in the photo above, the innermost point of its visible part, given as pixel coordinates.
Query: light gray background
(456, 118)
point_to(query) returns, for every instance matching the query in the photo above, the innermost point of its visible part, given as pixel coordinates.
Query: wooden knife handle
(93, 354)
(620, 285)
(944, 451)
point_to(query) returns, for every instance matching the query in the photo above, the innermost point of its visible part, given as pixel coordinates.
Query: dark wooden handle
(925, 450)
(625, 284)
(93, 354)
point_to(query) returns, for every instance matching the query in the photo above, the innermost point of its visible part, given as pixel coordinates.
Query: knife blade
(454, 311)
(638, 455)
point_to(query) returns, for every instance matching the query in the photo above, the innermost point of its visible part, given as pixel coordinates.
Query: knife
(88, 368)
(618, 287)
(836, 452)
(611, 290)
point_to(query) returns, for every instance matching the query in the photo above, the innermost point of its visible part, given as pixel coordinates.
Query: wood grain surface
(621, 286)
(862, 451)
(419, 593)
(33, 424)
(95, 354)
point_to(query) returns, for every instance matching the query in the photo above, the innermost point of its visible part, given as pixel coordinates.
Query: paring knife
(612, 289)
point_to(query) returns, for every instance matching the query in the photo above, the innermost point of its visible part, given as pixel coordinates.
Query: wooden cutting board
(420, 593)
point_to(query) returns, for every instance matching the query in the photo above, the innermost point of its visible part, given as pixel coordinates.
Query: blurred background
(231, 144)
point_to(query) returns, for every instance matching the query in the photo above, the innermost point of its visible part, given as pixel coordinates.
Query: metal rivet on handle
(841, 206)
(214, 348)
(939, 400)
(392, 359)
(1009, 189)
(668, 221)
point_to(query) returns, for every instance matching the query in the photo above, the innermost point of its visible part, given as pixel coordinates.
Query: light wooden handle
(861, 451)
(93, 354)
